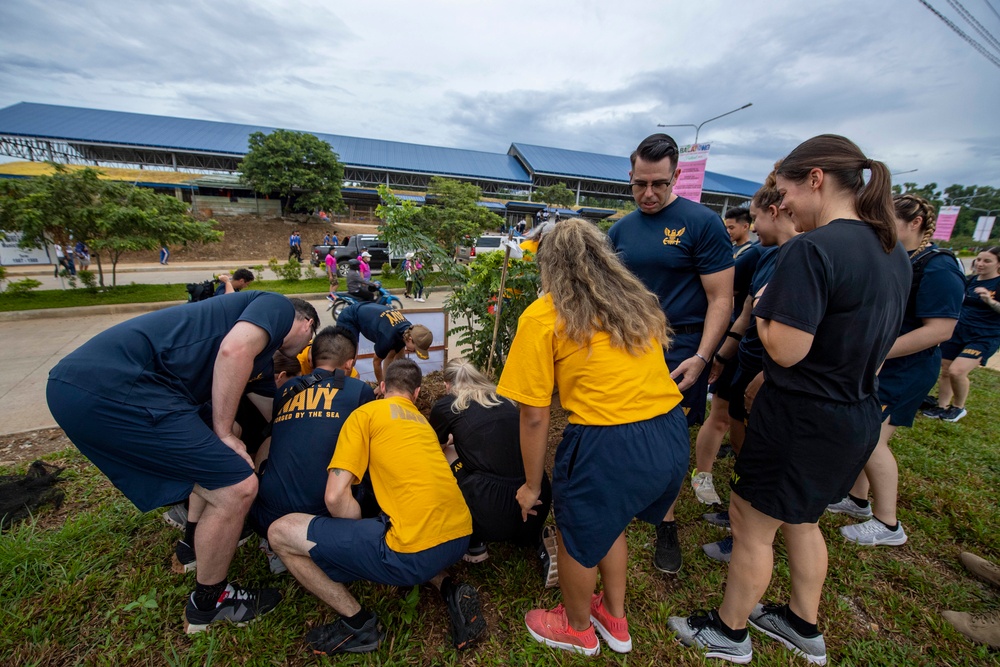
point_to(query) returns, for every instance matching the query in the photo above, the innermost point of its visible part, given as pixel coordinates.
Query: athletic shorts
(969, 345)
(802, 453)
(496, 514)
(738, 389)
(722, 388)
(604, 476)
(904, 383)
(355, 550)
(694, 398)
(154, 457)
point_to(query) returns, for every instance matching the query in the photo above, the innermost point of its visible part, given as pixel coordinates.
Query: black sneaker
(467, 622)
(236, 604)
(667, 556)
(934, 413)
(339, 637)
(953, 414)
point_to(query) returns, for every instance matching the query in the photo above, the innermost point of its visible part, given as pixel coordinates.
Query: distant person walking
(164, 254)
(295, 246)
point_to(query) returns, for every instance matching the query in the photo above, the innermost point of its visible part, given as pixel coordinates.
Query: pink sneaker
(552, 628)
(614, 630)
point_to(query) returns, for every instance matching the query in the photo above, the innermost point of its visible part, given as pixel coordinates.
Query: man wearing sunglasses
(681, 251)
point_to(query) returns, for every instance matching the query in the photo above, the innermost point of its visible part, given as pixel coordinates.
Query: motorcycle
(337, 301)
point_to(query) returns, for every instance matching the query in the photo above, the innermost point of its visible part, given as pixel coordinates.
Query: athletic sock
(800, 626)
(735, 635)
(206, 596)
(446, 586)
(894, 527)
(189, 533)
(860, 502)
(358, 621)
(664, 524)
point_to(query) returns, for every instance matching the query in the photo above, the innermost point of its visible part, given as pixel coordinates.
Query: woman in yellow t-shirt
(597, 335)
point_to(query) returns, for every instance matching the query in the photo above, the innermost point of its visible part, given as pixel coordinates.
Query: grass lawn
(91, 583)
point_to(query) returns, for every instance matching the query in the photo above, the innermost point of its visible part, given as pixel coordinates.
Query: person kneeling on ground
(425, 528)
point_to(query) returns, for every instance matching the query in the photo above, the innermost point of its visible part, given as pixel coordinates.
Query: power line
(992, 8)
(976, 25)
(976, 45)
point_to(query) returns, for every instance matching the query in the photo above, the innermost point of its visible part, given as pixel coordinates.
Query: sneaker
(981, 567)
(770, 619)
(872, 533)
(848, 506)
(184, 559)
(928, 403)
(339, 637)
(177, 516)
(717, 518)
(467, 622)
(982, 628)
(236, 604)
(933, 413)
(667, 555)
(552, 629)
(953, 414)
(273, 562)
(420, 299)
(704, 488)
(705, 631)
(725, 451)
(477, 553)
(613, 629)
(548, 552)
(721, 550)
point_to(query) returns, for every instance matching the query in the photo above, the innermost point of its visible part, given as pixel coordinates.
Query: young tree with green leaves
(554, 195)
(452, 215)
(294, 164)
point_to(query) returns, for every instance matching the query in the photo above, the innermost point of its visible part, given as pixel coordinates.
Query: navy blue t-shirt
(304, 434)
(978, 319)
(940, 293)
(751, 350)
(837, 283)
(165, 359)
(746, 264)
(669, 251)
(380, 324)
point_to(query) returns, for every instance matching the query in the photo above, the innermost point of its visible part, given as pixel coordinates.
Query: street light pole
(697, 128)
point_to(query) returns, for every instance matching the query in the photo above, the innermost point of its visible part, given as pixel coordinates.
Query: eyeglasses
(659, 187)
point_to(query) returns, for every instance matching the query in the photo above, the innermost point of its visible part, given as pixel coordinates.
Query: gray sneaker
(873, 533)
(720, 519)
(770, 619)
(704, 631)
(704, 488)
(721, 550)
(848, 506)
(980, 567)
(177, 516)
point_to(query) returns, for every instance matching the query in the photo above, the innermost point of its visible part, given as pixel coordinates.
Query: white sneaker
(704, 488)
(873, 533)
(420, 300)
(848, 506)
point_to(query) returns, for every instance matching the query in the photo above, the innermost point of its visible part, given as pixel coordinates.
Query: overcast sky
(584, 75)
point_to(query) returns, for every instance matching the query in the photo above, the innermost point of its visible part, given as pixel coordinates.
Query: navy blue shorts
(904, 383)
(969, 345)
(355, 550)
(694, 398)
(605, 475)
(154, 457)
(802, 453)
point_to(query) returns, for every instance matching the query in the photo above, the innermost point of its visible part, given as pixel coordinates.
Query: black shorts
(496, 514)
(802, 453)
(722, 388)
(738, 388)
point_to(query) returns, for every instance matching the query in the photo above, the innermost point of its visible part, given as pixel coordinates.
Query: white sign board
(984, 227)
(433, 320)
(11, 255)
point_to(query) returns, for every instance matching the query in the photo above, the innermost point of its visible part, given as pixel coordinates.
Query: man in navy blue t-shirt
(683, 254)
(130, 400)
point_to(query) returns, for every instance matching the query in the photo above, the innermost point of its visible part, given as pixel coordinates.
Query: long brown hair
(909, 208)
(841, 160)
(593, 291)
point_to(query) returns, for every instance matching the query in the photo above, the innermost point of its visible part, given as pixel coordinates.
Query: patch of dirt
(30, 445)
(250, 237)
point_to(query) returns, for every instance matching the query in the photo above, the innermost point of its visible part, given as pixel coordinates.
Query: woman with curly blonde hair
(597, 336)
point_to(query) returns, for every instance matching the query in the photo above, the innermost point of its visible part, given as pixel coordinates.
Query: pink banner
(692, 162)
(946, 222)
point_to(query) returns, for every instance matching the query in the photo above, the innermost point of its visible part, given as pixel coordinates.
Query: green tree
(452, 215)
(554, 195)
(294, 165)
(111, 217)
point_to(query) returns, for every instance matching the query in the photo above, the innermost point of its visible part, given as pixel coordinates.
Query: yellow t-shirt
(599, 385)
(529, 245)
(305, 362)
(411, 477)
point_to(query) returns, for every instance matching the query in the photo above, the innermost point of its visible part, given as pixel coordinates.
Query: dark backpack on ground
(201, 291)
(22, 495)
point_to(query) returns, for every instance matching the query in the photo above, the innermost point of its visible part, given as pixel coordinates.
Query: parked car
(483, 244)
(356, 245)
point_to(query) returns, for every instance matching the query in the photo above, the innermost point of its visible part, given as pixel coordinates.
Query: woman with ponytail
(909, 371)
(827, 319)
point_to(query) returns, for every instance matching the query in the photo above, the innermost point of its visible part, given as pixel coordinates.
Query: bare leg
(710, 434)
(807, 565)
(219, 527)
(577, 583)
(614, 569)
(944, 385)
(670, 512)
(288, 539)
(751, 562)
(196, 505)
(737, 434)
(958, 373)
(883, 472)
(861, 485)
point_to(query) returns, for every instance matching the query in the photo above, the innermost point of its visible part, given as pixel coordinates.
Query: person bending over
(389, 330)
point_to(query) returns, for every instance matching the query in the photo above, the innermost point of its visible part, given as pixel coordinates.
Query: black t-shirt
(837, 283)
(746, 264)
(486, 439)
(751, 349)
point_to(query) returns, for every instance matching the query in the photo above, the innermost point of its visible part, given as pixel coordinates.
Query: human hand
(224, 277)
(716, 371)
(688, 371)
(984, 294)
(751, 391)
(450, 442)
(527, 498)
(235, 444)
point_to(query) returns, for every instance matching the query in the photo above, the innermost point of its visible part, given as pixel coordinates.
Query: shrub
(290, 271)
(88, 278)
(22, 287)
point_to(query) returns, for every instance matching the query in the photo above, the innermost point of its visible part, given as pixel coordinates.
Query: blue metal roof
(73, 124)
(722, 184)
